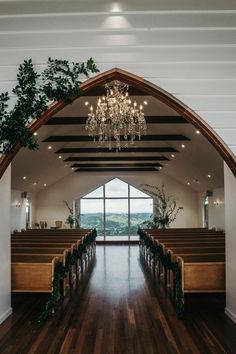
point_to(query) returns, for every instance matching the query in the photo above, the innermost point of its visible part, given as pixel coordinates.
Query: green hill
(116, 223)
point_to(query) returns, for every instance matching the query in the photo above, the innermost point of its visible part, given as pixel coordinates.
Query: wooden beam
(149, 120)
(128, 169)
(116, 165)
(82, 138)
(106, 150)
(115, 158)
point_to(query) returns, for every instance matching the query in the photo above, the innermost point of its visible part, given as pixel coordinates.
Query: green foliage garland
(34, 91)
(61, 272)
(157, 251)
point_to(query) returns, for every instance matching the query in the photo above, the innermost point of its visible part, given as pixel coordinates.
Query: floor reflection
(117, 271)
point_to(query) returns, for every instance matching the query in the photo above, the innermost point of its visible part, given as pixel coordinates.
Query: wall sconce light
(217, 202)
(17, 204)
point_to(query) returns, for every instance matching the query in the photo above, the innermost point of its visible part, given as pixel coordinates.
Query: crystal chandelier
(116, 117)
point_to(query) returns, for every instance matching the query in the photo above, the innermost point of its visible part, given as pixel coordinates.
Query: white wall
(50, 206)
(32, 197)
(216, 211)
(230, 222)
(189, 53)
(5, 263)
(18, 211)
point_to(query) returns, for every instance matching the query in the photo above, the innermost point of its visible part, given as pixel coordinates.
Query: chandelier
(116, 117)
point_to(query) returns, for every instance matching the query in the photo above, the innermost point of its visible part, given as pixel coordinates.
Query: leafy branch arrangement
(165, 207)
(34, 91)
(73, 219)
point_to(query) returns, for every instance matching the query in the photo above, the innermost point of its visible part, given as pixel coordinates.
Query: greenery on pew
(61, 272)
(157, 251)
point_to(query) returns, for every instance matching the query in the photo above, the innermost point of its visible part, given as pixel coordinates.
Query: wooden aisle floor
(118, 309)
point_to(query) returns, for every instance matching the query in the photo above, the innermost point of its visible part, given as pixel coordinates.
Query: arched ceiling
(160, 151)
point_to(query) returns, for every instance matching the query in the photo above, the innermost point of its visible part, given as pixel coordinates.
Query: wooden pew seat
(33, 273)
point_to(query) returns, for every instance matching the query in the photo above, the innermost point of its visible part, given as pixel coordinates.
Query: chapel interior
(91, 265)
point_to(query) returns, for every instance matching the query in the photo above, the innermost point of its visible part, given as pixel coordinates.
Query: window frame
(104, 198)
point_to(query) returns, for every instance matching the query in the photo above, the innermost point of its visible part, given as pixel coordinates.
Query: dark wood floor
(118, 309)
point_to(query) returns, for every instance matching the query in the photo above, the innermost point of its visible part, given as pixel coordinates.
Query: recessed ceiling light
(45, 185)
(183, 146)
(86, 103)
(145, 102)
(160, 168)
(36, 182)
(172, 155)
(197, 132)
(72, 168)
(49, 147)
(188, 183)
(59, 156)
(209, 176)
(24, 177)
(196, 180)
(35, 133)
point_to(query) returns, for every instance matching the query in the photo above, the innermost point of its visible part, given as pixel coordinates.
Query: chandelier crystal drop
(116, 118)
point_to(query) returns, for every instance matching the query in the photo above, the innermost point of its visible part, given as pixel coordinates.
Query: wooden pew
(70, 246)
(61, 253)
(199, 256)
(52, 239)
(202, 273)
(33, 273)
(40, 260)
(54, 236)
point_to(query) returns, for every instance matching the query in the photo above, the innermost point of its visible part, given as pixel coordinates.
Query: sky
(115, 189)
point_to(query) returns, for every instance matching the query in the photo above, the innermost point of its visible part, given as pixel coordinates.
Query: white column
(230, 229)
(5, 256)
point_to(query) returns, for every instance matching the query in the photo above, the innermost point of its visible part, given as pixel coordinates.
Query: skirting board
(230, 314)
(6, 314)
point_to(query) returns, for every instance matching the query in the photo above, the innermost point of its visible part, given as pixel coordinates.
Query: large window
(115, 209)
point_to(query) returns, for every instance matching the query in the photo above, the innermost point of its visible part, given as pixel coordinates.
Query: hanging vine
(34, 92)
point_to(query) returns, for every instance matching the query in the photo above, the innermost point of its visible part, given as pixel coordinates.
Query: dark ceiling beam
(82, 138)
(116, 165)
(115, 158)
(106, 150)
(144, 169)
(149, 120)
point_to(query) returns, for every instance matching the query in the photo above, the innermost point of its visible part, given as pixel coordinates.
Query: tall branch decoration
(165, 207)
(34, 92)
(73, 219)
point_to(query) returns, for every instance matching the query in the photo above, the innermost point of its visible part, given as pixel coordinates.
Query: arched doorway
(146, 87)
(149, 89)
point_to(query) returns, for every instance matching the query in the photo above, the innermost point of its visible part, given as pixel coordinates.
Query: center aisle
(117, 310)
